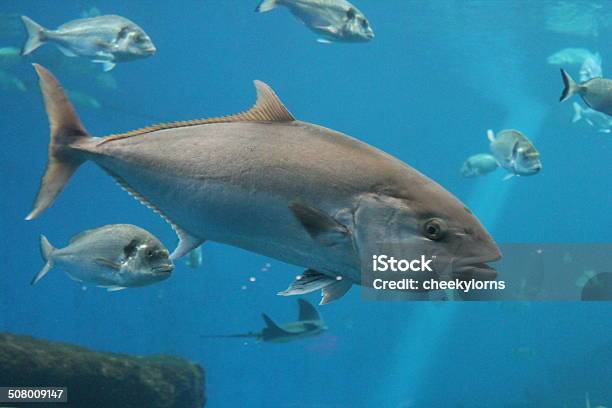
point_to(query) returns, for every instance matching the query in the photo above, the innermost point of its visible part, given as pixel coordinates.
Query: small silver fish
(334, 20)
(598, 120)
(194, 258)
(105, 39)
(114, 256)
(596, 92)
(478, 165)
(591, 68)
(515, 153)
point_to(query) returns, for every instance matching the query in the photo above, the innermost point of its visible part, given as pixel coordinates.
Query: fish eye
(150, 253)
(364, 23)
(434, 229)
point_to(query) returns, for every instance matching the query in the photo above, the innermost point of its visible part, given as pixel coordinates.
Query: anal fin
(335, 291)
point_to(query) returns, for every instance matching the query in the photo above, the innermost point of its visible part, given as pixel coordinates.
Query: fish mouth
(476, 267)
(164, 269)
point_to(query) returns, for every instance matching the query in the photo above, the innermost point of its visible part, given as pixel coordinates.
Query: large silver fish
(265, 182)
(596, 92)
(334, 20)
(104, 39)
(114, 256)
(514, 152)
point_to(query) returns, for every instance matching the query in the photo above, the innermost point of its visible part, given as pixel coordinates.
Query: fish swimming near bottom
(308, 324)
(596, 92)
(114, 256)
(479, 165)
(268, 183)
(515, 153)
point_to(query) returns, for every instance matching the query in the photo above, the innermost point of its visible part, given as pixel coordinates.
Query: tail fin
(577, 112)
(66, 130)
(45, 251)
(35, 35)
(570, 86)
(266, 5)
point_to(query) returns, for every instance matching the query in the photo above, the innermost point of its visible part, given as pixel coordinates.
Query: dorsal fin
(267, 108)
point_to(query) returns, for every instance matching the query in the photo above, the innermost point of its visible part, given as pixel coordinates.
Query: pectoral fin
(323, 41)
(508, 176)
(107, 263)
(320, 226)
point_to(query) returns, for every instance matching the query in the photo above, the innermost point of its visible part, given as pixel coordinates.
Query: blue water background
(436, 77)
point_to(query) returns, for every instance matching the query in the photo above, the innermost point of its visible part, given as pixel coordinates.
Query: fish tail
(570, 86)
(46, 249)
(266, 5)
(35, 35)
(66, 133)
(577, 113)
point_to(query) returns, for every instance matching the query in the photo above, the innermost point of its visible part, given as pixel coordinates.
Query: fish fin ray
(309, 281)
(187, 241)
(267, 108)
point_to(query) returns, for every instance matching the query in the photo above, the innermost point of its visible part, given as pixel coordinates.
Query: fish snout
(150, 50)
(163, 269)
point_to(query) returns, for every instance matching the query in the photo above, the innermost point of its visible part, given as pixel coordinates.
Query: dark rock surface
(100, 380)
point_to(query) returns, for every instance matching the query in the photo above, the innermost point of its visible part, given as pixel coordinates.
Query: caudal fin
(46, 249)
(66, 132)
(570, 86)
(35, 35)
(577, 112)
(266, 5)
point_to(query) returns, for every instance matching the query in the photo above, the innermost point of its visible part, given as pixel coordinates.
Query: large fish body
(596, 92)
(334, 20)
(514, 152)
(105, 39)
(268, 183)
(113, 256)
